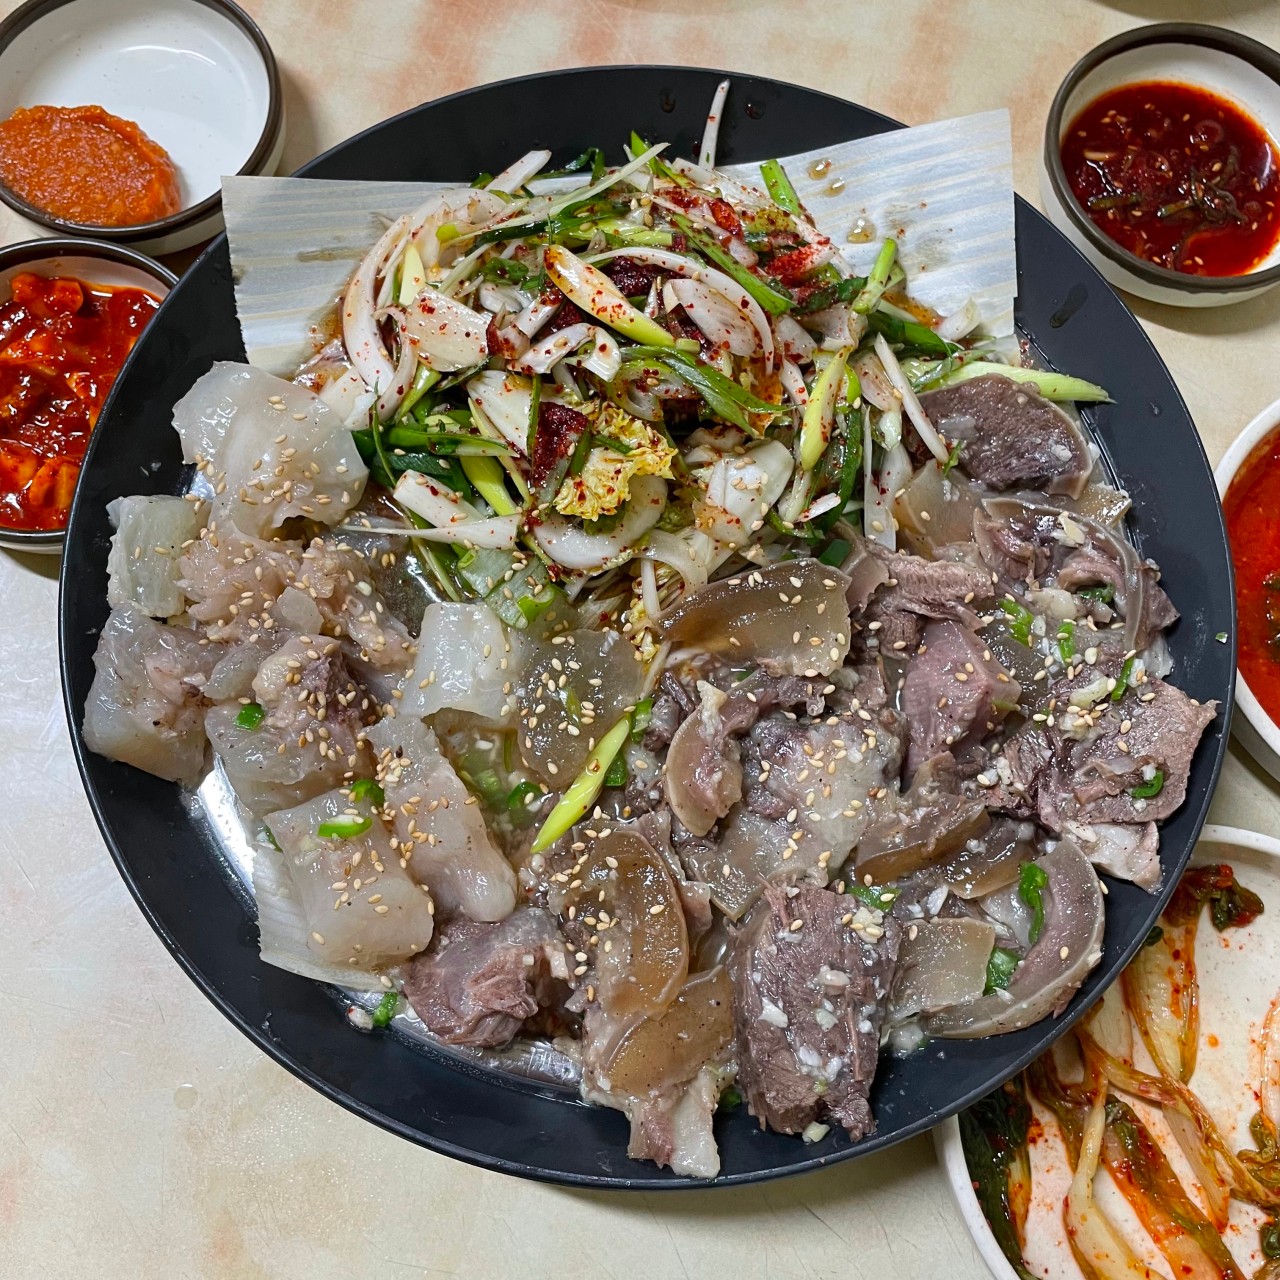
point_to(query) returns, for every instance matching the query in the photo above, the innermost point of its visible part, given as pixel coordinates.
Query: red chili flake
(726, 219)
(559, 429)
(632, 278)
(794, 264)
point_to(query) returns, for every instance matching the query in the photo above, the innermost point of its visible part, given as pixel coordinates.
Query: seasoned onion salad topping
(639, 632)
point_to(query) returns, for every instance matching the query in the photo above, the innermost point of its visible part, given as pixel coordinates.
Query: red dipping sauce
(62, 342)
(1177, 176)
(1253, 529)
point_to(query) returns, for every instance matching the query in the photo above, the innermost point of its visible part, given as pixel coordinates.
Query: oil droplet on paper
(819, 169)
(185, 1097)
(861, 231)
(834, 187)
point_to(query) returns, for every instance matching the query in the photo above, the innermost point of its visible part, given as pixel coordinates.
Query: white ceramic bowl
(1252, 725)
(196, 75)
(1217, 844)
(1230, 65)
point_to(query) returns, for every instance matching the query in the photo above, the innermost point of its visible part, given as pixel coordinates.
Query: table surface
(142, 1135)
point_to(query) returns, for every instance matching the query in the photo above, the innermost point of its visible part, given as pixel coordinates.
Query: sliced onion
(960, 323)
(516, 174)
(910, 402)
(711, 134)
(839, 327)
(505, 402)
(1044, 982)
(879, 493)
(502, 532)
(876, 387)
(570, 545)
(446, 335)
(793, 383)
(359, 328)
(432, 501)
(541, 356)
(793, 338)
(349, 397)
(721, 283)
(402, 379)
(605, 357)
(501, 298)
(687, 553)
(535, 315)
(722, 322)
(649, 589)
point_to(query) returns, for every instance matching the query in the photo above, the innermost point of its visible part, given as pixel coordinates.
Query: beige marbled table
(141, 1136)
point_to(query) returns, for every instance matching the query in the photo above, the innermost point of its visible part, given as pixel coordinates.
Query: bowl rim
(946, 1136)
(29, 13)
(1242, 47)
(1259, 427)
(36, 250)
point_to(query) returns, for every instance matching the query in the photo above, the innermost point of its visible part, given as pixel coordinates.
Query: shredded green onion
(878, 280)
(363, 789)
(1020, 620)
(1122, 682)
(344, 827)
(250, 716)
(781, 192)
(386, 1009)
(1153, 786)
(1032, 882)
(584, 789)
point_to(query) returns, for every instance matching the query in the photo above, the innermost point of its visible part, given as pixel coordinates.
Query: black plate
(166, 858)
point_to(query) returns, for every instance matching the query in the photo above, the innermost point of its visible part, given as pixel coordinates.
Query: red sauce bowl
(110, 268)
(1183, 69)
(1248, 479)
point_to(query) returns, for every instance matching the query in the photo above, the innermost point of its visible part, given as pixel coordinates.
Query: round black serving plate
(167, 858)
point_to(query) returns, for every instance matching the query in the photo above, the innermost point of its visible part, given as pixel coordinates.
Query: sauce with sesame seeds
(1178, 176)
(62, 343)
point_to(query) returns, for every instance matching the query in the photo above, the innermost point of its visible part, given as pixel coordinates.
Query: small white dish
(1230, 1015)
(197, 76)
(1252, 725)
(1231, 65)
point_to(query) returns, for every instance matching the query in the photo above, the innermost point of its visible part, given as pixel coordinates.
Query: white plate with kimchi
(1144, 1145)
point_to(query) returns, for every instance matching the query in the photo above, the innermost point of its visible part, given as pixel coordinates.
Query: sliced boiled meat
(480, 983)
(956, 693)
(812, 972)
(919, 588)
(1011, 436)
(1082, 770)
